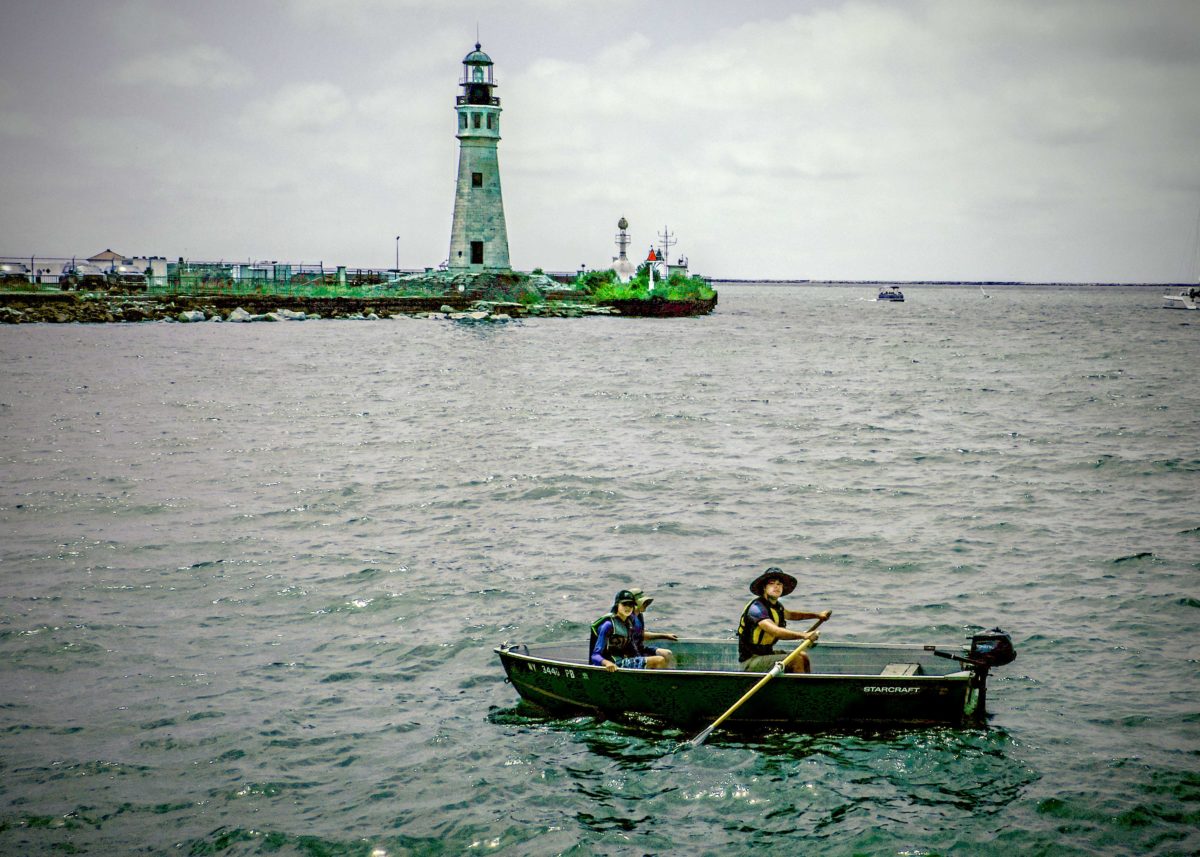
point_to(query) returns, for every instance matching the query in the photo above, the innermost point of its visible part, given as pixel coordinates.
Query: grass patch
(604, 286)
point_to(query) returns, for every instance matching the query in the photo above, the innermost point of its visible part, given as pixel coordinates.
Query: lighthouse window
(476, 252)
(489, 120)
(462, 120)
(475, 117)
(476, 179)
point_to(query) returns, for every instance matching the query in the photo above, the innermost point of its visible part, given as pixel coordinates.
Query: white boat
(1184, 299)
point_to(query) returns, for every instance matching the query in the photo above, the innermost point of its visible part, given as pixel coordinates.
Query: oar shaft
(775, 670)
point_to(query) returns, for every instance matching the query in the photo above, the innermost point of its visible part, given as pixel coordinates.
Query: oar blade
(699, 739)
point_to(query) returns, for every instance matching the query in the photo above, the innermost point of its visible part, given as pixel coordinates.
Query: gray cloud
(843, 139)
(185, 66)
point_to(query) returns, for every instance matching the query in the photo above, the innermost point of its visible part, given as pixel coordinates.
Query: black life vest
(750, 635)
(620, 641)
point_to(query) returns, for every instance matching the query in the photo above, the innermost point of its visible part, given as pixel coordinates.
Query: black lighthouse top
(477, 82)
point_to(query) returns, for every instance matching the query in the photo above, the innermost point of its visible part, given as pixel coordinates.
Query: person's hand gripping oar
(775, 670)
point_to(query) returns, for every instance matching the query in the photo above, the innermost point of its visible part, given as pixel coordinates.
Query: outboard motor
(992, 648)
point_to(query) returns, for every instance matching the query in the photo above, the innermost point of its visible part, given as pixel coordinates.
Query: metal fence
(157, 276)
(273, 278)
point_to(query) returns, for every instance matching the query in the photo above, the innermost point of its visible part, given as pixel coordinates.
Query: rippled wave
(252, 575)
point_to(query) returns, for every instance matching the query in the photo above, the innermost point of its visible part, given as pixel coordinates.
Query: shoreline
(966, 283)
(121, 307)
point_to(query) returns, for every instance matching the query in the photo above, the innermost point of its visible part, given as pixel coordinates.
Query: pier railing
(157, 276)
(275, 279)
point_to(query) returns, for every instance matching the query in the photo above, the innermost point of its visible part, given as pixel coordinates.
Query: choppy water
(252, 575)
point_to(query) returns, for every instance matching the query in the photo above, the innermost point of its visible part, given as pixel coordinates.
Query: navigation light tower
(623, 268)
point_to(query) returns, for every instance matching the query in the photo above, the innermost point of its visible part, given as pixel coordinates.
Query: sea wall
(102, 307)
(67, 308)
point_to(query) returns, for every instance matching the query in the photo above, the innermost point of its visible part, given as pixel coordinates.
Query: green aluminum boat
(852, 685)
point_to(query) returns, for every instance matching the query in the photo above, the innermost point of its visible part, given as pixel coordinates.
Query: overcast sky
(1007, 140)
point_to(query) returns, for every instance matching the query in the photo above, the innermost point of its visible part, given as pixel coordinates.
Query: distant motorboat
(1183, 299)
(890, 293)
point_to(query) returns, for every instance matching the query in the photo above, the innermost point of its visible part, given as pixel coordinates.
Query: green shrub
(589, 282)
(619, 292)
(680, 287)
(677, 288)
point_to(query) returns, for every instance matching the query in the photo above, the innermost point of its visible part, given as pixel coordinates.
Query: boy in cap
(637, 625)
(612, 639)
(765, 620)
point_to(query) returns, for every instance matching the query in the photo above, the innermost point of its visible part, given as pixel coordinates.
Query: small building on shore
(105, 258)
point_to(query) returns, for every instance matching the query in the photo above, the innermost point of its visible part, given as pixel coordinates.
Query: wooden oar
(775, 670)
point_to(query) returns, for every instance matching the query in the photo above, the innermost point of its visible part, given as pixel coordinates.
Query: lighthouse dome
(477, 57)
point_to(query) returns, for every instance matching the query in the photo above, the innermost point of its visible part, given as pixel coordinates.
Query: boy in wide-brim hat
(764, 620)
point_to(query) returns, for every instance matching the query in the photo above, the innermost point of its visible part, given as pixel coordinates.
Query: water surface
(252, 575)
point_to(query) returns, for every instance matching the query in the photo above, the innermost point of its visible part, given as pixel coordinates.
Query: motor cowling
(993, 648)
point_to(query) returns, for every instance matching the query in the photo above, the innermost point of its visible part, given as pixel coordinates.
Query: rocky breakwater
(660, 307)
(67, 308)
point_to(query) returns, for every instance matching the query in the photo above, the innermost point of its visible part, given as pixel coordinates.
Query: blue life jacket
(620, 641)
(750, 635)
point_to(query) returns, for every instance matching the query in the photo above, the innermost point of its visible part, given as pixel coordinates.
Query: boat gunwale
(958, 675)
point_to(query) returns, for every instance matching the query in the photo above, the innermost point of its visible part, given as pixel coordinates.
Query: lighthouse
(478, 236)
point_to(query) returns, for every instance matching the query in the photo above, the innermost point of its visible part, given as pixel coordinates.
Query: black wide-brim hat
(789, 582)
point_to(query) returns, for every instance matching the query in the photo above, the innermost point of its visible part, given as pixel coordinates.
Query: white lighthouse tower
(478, 238)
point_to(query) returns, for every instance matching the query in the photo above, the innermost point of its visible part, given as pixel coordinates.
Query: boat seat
(902, 669)
(691, 661)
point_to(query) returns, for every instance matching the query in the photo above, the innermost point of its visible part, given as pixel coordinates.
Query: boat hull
(1187, 299)
(838, 694)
